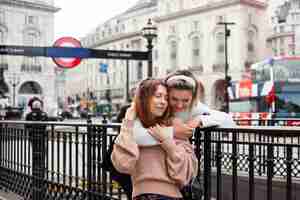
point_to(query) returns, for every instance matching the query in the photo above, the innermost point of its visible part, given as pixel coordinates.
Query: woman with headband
(160, 168)
(187, 110)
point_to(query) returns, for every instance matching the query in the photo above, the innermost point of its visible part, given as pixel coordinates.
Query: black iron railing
(251, 163)
(64, 161)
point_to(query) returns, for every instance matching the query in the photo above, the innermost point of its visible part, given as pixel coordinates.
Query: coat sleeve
(210, 117)
(125, 151)
(181, 161)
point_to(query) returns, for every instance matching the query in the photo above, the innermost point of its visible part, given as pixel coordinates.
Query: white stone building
(30, 23)
(285, 23)
(188, 38)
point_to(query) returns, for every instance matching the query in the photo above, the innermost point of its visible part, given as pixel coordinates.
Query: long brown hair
(142, 100)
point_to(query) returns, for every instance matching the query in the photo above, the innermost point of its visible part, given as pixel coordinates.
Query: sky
(79, 17)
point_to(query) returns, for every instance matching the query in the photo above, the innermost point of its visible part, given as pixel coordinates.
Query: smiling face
(159, 101)
(151, 102)
(180, 100)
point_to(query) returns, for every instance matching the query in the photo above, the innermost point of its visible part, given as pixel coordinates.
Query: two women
(161, 166)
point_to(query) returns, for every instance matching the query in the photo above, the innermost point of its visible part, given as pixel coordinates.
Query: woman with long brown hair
(158, 163)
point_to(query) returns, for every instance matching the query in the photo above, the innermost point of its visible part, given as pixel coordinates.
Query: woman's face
(159, 101)
(180, 100)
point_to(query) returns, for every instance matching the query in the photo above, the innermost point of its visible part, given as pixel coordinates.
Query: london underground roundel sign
(67, 62)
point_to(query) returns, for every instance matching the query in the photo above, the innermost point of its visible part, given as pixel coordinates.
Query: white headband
(183, 77)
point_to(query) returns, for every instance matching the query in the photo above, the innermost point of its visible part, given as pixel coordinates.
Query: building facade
(285, 23)
(29, 23)
(189, 37)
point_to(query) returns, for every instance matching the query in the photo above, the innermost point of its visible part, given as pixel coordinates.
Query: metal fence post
(104, 150)
(89, 157)
(37, 136)
(1, 140)
(207, 165)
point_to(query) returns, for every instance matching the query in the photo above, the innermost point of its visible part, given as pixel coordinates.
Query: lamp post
(149, 32)
(14, 81)
(227, 78)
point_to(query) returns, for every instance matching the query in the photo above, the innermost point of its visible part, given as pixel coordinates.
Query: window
(220, 19)
(291, 49)
(140, 70)
(2, 20)
(31, 64)
(281, 41)
(168, 8)
(196, 57)
(220, 48)
(251, 46)
(281, 29)
(173, 54)
(282, 51)
(172, 29)
(3, 61)
(275, 51)
(1, 36)
(250, 18)
(31, 20)
(195, 25)
(155, 54)
(135, 24)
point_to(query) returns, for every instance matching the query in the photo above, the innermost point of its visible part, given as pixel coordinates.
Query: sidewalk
(9, 196)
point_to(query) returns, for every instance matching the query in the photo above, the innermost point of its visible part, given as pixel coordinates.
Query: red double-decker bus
(272, 92)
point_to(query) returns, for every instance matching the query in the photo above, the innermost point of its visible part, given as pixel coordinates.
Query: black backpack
(194, 190)
(124, 180)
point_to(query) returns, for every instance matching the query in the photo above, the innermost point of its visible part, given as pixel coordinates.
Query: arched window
(30, 87)
(196, 53)
(173, 55)
(220, 48)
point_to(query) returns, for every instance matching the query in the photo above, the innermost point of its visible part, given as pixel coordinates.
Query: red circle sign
(67, 62)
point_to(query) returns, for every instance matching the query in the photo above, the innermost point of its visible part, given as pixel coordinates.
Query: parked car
(66, 114)
(55, 118)
(12, 113)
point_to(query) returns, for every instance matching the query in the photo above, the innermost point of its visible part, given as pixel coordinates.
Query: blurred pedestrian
(124, 108)
(122, 179)
(37, 113)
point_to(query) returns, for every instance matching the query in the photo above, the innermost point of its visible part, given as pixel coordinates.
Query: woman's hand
(182, 130)
(158, 133)
(194, 123)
